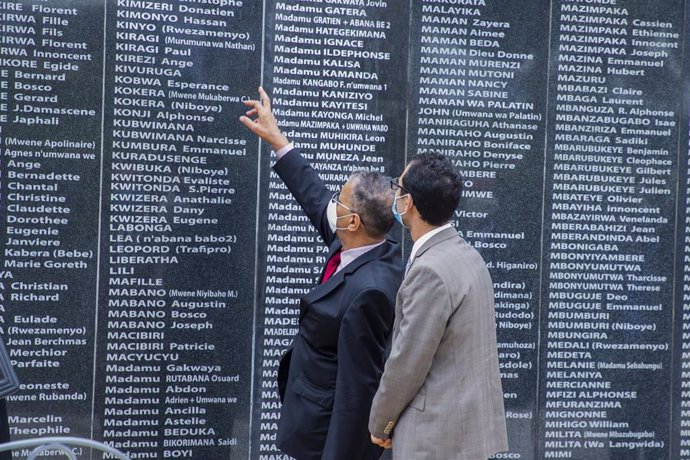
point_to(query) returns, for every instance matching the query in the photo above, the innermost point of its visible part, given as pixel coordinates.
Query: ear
(355, 223)
(409, 203)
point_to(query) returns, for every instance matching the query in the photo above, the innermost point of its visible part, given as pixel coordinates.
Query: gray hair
(372, 198)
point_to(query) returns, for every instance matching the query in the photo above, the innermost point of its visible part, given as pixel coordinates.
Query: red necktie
(331, 266)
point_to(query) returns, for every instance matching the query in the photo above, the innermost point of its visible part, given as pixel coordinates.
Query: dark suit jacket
(329, 375)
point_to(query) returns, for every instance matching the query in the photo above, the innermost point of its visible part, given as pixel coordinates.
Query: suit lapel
(434, 240)
(337, 279)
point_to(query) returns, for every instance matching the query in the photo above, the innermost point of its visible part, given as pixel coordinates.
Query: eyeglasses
(395, 185)
(335, 199)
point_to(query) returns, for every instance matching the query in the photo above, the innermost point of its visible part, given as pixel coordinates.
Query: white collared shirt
(347, 257)
(423, 239)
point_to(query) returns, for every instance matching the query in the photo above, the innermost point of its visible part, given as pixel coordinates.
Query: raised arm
(300, 178)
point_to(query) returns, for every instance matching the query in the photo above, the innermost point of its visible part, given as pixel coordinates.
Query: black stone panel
(337, 78)
(477, 94)
(152, 262)
(607, 309)
(50, 131)
(176, 294)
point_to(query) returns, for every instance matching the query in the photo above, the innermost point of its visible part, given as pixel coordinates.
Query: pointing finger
(266, 101)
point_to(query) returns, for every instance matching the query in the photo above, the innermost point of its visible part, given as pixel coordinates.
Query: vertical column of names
(681, 371)
(609, 203)
(137, 317)
(48, 149)
(336, 86)
(177, 290)
(478, 97)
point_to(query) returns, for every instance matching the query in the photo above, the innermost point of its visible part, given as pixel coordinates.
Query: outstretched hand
(264, 125)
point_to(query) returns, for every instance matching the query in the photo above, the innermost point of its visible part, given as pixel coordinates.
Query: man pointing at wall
(440, 395)
(330, 373)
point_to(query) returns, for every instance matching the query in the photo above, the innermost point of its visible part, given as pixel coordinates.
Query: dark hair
(435, 185)
(372, 198)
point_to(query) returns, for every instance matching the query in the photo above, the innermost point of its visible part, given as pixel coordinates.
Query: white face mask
(333, 216)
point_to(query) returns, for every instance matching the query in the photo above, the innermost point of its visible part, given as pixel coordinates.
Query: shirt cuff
(280, 153)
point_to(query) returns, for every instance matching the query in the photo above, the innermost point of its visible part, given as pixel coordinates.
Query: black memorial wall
(152, 263)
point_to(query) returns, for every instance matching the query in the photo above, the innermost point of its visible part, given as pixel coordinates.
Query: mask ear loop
(396, 204)
(346, 215)
(333, 215)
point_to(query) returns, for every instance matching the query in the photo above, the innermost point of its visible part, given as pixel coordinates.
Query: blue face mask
(397, 215)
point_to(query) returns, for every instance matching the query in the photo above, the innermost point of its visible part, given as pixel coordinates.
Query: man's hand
(386, 444)
(265, 125)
